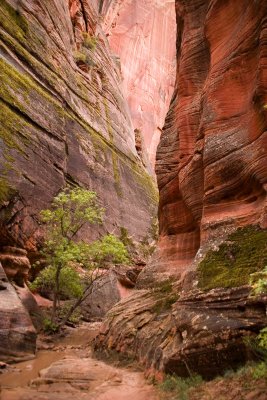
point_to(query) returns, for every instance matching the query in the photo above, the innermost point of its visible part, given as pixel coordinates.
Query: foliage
(258, 344)
(74, 318)
(49, 326)
(89, 41)
(64, 254)
(108, 249)
(180, 386)
(258, 281)
(69, 282)
(79, 56)
(244, 253)
(259, 370)
(83, 57)
(125, 238)
(145, 249)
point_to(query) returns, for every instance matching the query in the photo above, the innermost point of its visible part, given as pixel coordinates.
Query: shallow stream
(63, 369)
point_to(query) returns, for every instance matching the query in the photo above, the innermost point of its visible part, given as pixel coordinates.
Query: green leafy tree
(65, 255)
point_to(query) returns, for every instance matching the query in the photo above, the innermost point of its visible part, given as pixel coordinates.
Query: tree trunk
(56, 294)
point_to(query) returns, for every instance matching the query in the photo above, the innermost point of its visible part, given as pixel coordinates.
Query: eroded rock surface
(84, 379)
(212, 174)
(15, 263)
(200, 333)
(64, 120)
(142, 34)
(211, 161)
(17, 334)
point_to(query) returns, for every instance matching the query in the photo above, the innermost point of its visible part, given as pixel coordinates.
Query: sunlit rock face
(64, 120)
(143, 34)
(211, 161)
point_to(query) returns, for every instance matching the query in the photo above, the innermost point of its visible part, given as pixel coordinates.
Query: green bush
(89, 41)
(49, 326)
(180, 386)
(259, 370)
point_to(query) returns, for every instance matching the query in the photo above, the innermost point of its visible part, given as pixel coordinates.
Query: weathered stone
(202, 332)
(15, 263)
(61, 125)
(211, 160)
(103, 296)
(142, 34)
(84, 379)
(31, 305)
(17, 334)
(108, 290)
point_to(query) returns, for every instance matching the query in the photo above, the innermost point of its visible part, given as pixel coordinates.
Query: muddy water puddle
(67, 371)
(22, 373)
(75, 344)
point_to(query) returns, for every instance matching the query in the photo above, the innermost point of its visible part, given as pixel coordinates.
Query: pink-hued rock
(142, 34)
(212, 176)
(211, 160)
(17, 334)
(15, 263)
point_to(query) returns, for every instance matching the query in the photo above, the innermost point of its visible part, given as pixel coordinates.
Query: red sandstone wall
(211, 161)
(142, 33)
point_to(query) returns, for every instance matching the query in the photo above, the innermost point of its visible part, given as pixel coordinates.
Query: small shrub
(180, 386)
(89, 42)
(260, 370)
(258, 281)
(80, 57)
(49, 326)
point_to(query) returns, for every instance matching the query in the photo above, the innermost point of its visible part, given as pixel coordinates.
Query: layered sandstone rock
(212, 175)
(201, 333)
(83, 378)
(17, 334)
(211, 161)
(64, 121)
(15, 263)
(142, 34)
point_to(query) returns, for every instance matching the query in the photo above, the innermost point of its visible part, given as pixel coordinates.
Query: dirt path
(68, 372)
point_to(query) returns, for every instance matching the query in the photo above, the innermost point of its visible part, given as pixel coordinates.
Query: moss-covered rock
(244, 253)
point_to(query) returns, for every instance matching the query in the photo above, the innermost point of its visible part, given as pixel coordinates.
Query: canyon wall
(196, 304)
(64, 120)
(211, 161)
(142, 34)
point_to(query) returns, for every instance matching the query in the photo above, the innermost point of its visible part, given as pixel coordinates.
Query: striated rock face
(142, 34)
(201, 333)
(64, 121)
(17, 335)
(15, 263)
(212, 175)
(211, 161)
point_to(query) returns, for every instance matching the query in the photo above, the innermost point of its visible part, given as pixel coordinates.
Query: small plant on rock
(179, 386)
(89, 41)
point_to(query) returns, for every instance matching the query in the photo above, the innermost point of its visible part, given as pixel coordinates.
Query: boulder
(17, 334)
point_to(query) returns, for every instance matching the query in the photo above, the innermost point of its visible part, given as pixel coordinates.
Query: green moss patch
(6, 190)
(165, 295)
(244, 253)
(12, 21)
